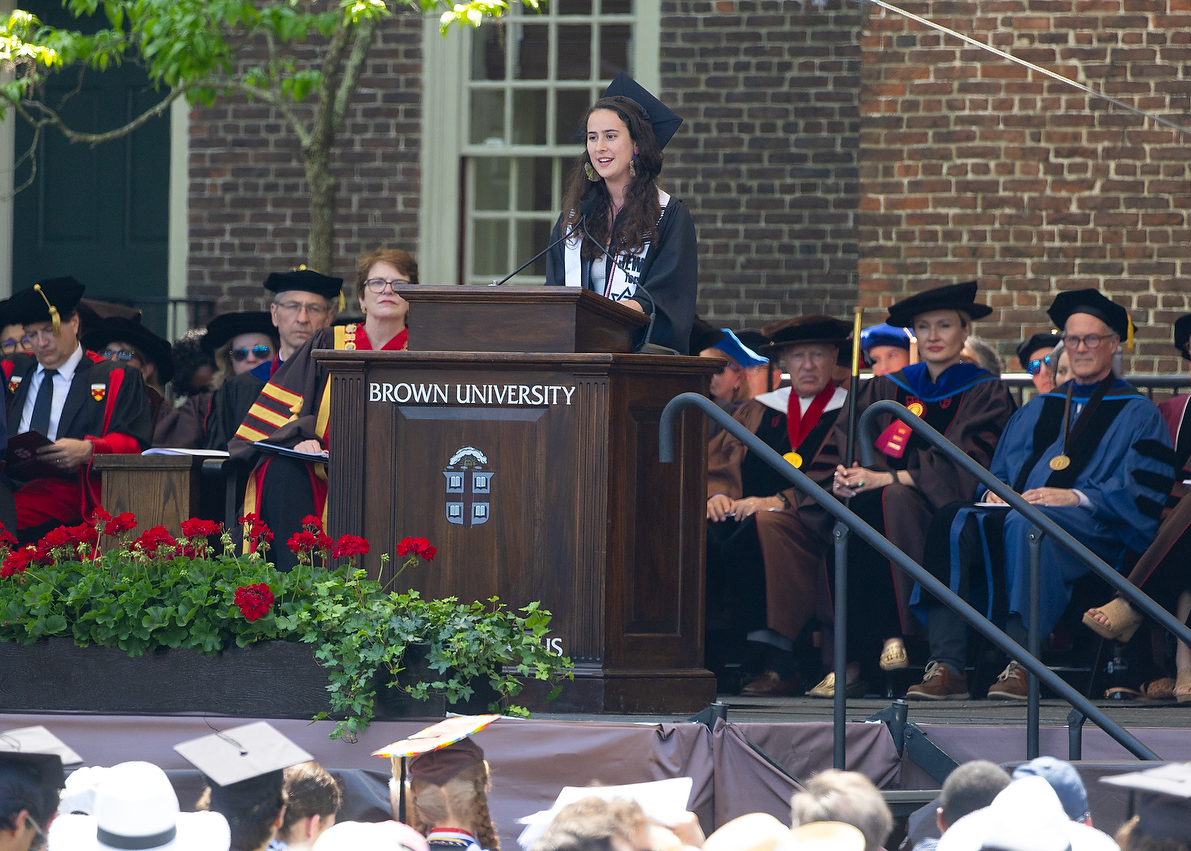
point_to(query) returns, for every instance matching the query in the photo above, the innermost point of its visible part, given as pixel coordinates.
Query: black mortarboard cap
(951, 297)
(120, 329)
(814, 328)
(704, 335)
(40, 752)
(306, 280)
(242, 753)
(34, 304)
(92, 311)
(1041, 340)
(227, 325)
(1093, 303)
(665, 121)
(1182, 334)
(1163, 800)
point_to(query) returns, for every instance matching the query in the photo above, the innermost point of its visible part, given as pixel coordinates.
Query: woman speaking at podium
(615, 208)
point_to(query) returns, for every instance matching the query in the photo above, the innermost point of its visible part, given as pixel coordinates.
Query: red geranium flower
(313, 523)
(349, 546)
(256, 530)
(303, 542)
(417, 546)
(7, 539)
(254, 600)
(198, 528)
(119, 524)
(16, 562)
(153, 538)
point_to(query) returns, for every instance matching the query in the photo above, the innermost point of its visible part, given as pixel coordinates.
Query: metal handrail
(870, 536)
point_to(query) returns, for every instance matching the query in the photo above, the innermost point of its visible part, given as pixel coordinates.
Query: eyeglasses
(10, 346)
(377, 285)
(298, 307)
(1092, 341)
(118, 355)
(1035, 366)
(261, 352)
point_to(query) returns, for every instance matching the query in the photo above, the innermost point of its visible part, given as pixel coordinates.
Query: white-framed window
(502, 109)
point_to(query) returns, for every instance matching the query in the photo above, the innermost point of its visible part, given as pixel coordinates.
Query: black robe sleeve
(229, 406)
(184, 427)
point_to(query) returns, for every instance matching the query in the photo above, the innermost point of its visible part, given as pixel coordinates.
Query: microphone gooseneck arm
(584, 210)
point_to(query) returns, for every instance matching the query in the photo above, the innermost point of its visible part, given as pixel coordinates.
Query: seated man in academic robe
(83, 404)
(1094, 455)
(765, 538)
(304, 301)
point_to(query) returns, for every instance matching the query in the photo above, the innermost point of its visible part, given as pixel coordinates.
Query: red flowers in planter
(256, 533)
(254, 601)
(416, 546)
(349, 546)
(151, 539)
(117, 525)
(197, 528)
(16, 562)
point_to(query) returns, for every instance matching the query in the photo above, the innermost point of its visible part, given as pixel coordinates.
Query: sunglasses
(1035, 366)
(120, 355)
(261, 352)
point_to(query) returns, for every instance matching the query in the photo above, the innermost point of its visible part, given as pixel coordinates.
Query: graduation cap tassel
(342, 302)
(913, 349)
(401, 796)
(56, 319)
(1129, 335)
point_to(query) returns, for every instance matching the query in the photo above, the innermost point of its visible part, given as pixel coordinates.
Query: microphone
(584, 212)
(646, 347)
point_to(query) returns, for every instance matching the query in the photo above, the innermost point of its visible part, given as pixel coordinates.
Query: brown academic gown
(794, 539)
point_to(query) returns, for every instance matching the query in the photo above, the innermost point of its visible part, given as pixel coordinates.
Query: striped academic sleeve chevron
(273, 408)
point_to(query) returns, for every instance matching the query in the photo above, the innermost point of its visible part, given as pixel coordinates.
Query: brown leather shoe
(1012, 684)
(771, 684)
(940, 683)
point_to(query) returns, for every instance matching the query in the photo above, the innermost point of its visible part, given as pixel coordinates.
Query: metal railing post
(840, 699)
(1034, 640)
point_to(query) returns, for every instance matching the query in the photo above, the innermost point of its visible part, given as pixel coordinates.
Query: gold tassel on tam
(913, 349)
(55, 318)
(342, 302)
(1129, 335)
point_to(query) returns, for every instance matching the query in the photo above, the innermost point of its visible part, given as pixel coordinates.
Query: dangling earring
(633, 167)
(591, 173)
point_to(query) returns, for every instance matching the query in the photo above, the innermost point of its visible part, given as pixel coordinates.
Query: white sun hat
(136, 808)
(370, 836)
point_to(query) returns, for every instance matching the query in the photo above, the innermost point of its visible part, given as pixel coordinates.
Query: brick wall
(767, 160)
(971, 167)
(249, 211)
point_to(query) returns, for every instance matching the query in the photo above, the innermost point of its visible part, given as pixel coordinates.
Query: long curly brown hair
(638, 220)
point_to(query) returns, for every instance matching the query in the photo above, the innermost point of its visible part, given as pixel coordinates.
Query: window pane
(532, 237)
(492, 183)
(487, 117)
(491, 254)
(533, 51)
(574, 7)
(616, 42)
(574, 52)
(529, 117)
(616, 7)
(534, 178)
(569, 109)
(488, 54)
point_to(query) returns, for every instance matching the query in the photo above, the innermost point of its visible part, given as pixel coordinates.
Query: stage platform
(752, 762)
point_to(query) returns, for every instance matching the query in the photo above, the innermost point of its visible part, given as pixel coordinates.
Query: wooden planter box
(273, 679)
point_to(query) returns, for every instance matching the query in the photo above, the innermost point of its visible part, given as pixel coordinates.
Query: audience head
(371, 836)
(594, 824)
(48, 311)
(846, 796)
(131, 344)
(194, 367)
(312, 798)
(1093, 327)
(731, 384)
(940, 319)
(13, 339)
(239, 342)
(752, 832)
(764, 378)
(303, 302)
(448, 788)
(886, 348)
(378, 273)
(27, 803)
(1034, 355)
(1163, 812)
(1061, 361)
(1065, 781)
(981, 352)
(135, 807)
(808, 347)
(970, 787)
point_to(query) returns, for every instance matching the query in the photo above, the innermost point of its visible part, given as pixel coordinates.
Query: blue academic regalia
(1121, 462)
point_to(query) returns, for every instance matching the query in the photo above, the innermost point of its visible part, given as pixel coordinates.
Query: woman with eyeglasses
(282, 490)
(1035, 355)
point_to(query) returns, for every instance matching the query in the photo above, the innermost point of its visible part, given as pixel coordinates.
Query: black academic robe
(762, 572)
(209, 420)
(669, 273)
(106, 404)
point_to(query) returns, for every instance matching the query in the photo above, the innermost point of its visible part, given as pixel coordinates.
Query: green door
(98, 213)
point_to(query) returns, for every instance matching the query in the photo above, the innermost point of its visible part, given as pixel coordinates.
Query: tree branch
(52, 119)
(323, 132)
(275, 100)
(351, 76)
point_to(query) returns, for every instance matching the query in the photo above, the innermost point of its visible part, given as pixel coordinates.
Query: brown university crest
(469, 486)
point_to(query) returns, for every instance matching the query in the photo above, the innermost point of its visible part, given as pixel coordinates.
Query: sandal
(893, 656)
(1182, 687)
(1122, 693)
(1123, 620)
(1161, 689)
(826, 688)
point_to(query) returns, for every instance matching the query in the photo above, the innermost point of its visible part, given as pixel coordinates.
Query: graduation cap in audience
(1182, 335)
(951, 297)
(46, 301)
(665, 121)
(885, 335)
(307, 280)
(1163, 800)
(122, 330)
(754, 339)
(733, 347)
(92, 311)
(813, 328)
(238, 759)
(704, 335)
(1093, 303)
(228, 325)
(37, 750)
(1041, 340)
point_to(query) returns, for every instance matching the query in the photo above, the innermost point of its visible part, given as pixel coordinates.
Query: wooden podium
(536, 475)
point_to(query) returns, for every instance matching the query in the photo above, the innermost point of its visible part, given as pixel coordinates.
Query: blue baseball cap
(731, 346)
(885, 335)
(1063, 778)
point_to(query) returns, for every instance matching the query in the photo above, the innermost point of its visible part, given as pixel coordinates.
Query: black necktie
(43, 403)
